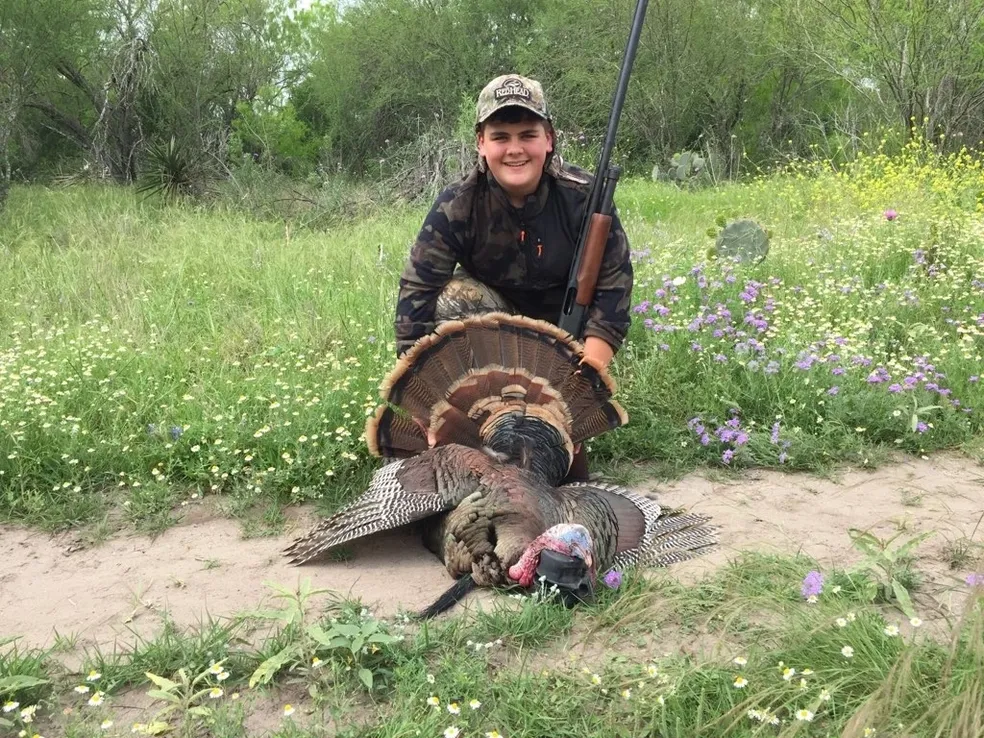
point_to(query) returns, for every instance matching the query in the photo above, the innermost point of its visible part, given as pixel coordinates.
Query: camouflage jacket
(523, 253)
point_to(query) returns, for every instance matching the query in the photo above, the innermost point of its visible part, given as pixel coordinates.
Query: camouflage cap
(511, 90)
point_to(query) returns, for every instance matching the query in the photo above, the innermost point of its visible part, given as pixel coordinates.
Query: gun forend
(594, 252)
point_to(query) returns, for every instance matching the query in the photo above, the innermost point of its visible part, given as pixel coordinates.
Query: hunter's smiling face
(515, 154)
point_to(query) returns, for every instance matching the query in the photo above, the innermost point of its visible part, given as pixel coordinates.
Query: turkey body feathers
(490, 513)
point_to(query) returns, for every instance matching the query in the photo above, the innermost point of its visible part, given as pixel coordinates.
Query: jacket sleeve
(429, 268)
(608, 314)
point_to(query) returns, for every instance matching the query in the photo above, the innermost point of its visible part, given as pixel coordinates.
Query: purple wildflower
(774, 438)
(975, 580)
(613, 579)
(837, 371)
(772, 367)
(783, 457)
(921, 427)
(893, 388)
(175, 431)
(696, 346)
(727, 456)
(890, 214)
(812, 584)
(741, 439)
(974, 378)
(833, 390)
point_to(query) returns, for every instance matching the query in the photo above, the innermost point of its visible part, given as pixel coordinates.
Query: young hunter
(511, 227)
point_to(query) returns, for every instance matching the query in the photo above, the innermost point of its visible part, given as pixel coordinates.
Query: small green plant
(890, 567)
(351, 641)
(185, 709)
(169, 171)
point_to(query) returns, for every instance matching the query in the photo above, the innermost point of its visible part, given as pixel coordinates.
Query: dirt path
(203, 566)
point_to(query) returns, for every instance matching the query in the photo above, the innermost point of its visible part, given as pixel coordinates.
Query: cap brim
(511, 104)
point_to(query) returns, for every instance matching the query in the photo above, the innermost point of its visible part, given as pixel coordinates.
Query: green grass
(630, 665)
(153, 352)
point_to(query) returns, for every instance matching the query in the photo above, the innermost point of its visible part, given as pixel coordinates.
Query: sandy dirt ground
(202, 566)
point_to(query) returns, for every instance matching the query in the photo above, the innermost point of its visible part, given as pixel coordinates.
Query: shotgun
(597, 220)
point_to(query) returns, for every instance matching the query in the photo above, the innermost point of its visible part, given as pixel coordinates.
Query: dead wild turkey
(481, 419)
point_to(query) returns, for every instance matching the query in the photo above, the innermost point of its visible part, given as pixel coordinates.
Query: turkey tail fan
(453, 381)
(393, 435)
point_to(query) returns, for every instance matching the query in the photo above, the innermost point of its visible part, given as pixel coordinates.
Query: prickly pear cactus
(684, 168)
(744, 241)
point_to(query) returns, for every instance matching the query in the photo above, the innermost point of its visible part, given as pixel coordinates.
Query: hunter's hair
(513, 114)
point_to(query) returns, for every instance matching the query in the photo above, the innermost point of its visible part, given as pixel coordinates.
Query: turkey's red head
(568, 539)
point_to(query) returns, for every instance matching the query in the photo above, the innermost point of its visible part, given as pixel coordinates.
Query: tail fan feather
(484, 365)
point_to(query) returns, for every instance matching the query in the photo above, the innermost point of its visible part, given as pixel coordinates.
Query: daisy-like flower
(215, 692)
(755, 714)
(96, 699)
(825, 695)
(223, 676)
(788, 673)
(677, 281)
(805, 715)
(106, 724)
(851, 617)
(651, 670)
(215, 669)
(289, 710)
(595, 679)
(802, 684)
(891, 630)
(868, 732)
(10, 706)
(841, 622)
(433, 701)
(93, 676)
(454, 708)
(139, 728)
(234, 696)
(740, 682)
(81, 689)
(27, 714)
(847, 652)
(474, 704)
(661, 700)
(493, 734)
(316, 662)
(812, 600)
(626, 694)
(915, 622)
(740, 660)
(453, 732)
(836, 589)
(430, 679)
(807, 672)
